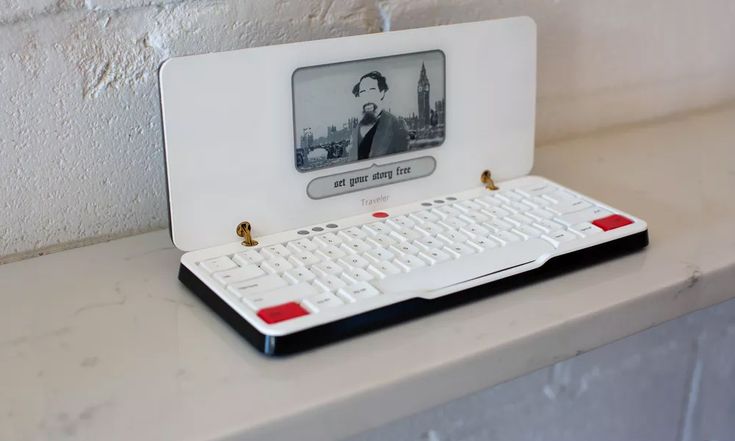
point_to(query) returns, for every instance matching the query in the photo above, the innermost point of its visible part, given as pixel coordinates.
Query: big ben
(423, 95)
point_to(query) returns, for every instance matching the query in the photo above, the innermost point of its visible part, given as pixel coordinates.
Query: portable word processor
(325, 188)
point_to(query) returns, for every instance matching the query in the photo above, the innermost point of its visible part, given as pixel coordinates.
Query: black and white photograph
(365, 109)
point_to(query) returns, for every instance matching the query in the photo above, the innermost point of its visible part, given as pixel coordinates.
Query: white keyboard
(304, 278)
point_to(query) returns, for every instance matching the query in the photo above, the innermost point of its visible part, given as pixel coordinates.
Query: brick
(18, 10)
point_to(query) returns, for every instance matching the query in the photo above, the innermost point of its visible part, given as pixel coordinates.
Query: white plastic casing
(228, 128)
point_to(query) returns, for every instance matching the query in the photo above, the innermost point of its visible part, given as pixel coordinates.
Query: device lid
(274, 135)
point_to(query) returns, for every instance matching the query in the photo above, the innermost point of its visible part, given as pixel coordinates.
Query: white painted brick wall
(20, 10)
(80, 145)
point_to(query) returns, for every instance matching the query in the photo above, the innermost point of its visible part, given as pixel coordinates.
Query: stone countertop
(103, 342)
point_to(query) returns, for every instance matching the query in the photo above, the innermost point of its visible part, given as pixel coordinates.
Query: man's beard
(369, 114)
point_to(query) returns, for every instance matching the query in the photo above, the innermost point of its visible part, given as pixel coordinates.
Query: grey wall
(80, 144)
(673, 382)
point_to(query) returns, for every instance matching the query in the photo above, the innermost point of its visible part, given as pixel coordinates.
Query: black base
(408, 309)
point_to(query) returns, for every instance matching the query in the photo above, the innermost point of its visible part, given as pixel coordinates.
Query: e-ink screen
(365, 109)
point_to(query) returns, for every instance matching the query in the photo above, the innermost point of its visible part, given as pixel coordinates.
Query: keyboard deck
(303, 278)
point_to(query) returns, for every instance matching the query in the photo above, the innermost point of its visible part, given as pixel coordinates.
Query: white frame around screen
(228, 128)
(441, 80)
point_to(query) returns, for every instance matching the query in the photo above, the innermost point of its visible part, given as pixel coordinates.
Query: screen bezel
(360, 60)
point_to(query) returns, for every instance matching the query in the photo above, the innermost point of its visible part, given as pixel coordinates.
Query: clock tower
(422, 91)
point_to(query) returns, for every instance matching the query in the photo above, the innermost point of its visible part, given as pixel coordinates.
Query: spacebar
(465, 268)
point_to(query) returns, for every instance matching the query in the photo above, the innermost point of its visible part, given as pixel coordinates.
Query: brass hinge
(244, 230)
(487, 179)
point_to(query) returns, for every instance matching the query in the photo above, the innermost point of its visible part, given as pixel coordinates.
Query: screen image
(365, 109)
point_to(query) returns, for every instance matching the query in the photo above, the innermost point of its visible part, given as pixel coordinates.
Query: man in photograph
(378, 132)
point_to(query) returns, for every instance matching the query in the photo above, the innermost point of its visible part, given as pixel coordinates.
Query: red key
(380, 214)
(612, 222)
(279, 313)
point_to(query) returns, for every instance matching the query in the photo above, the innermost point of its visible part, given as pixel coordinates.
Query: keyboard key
(489, 201)
(383, 269)
(452, 237)
(478, 248)
(218, 264)
(506, 237)
(453, 223)
(304, 258)
(548, 226)
(274, 251)
(356, 246)
(298, 275)
(445, 212)
(352, 233)
(354, 261)
(460, 249)
(327, 239)
(540, 214)
(248, 257)
(484, 242)
(569, 207)
(405, 234)
(424, 216)
(560, 237)
(498, 225)
(322, 301)
(401, 222)
(587, 215)
(561, 196)
(586, 229)
(329, 283)
(330, 252)
(327, 269)
(474, 217)
(276, 266)
(381, 241)
(468, 206)
(434, 256)
(358, 291)
(409, 262)
(380, 255)
(255, 286)
(536, 189)
(428, 243)
(612, 222)
(265, 299)
(238, 274)
(377, 228)
(475, 231)
(430, 228)
(355, 275)
(509, 195)
(519, 219)
(404, 248)
(496, 212)
(527, 231)
(282, 312)
(501, 197)
(519, 207)
(540, 202)
(301, 245)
